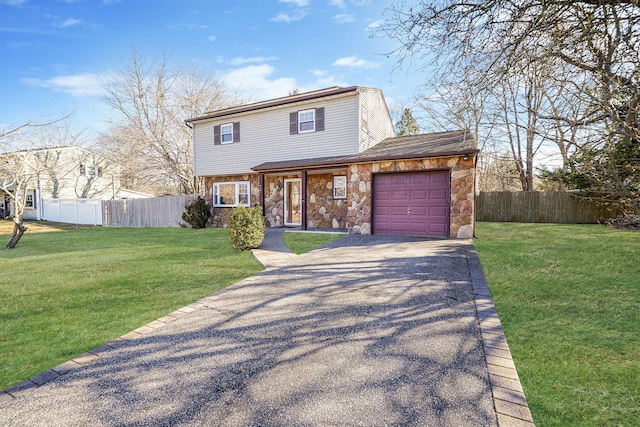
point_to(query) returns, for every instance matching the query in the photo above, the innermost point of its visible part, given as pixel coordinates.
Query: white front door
(292, 201)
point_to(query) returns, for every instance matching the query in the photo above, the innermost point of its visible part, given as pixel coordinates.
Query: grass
(301, 242)
(64, 291)
(568, 297)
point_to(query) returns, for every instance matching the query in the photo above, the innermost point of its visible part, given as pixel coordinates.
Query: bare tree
(594, 43)
(19, 170)
(148, 137)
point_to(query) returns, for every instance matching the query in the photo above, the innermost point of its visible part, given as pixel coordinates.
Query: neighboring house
(64, 173)
(330, 159)
(127, 194)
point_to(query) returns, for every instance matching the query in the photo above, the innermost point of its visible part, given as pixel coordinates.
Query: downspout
(38, 199)
(475, 191)
(261, 196)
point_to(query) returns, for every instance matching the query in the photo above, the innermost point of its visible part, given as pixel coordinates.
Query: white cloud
(242, 61)
(354, 62)
(253, 80)
(212, 38)
(375, 24)
(323, 80)
(338, 3)
(86, 84)
(285, 17)
(299, 3)
(343, 18)
(70, 22)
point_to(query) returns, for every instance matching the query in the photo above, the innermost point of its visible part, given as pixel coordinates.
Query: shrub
(197, 213)
(246, 227)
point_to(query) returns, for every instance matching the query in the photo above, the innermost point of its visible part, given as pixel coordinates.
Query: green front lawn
(568, 297)
(300, 242)
(63, 292)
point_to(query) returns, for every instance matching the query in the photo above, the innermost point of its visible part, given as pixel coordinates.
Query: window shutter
(216, 135)
(236, 131)
(319, 119)
(293, 123)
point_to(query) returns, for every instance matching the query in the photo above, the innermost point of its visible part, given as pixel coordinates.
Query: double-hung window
(306, 121)
(226, 133)
(30, 201)
(230, 194)
(339, 187)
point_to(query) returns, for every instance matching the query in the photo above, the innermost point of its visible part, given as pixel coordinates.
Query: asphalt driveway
(366, 331)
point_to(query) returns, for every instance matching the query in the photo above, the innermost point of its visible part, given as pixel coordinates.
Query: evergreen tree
(407, 125)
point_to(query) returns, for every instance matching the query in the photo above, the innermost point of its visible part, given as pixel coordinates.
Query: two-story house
(331, 159)
(69, 172)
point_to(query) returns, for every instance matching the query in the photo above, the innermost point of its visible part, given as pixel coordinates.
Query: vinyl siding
(265, 137)
(379, 125)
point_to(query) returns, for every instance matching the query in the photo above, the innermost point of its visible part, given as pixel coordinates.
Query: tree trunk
(18, 231)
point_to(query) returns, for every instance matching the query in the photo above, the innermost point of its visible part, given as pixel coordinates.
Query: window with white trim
(306, 121)
(339, 187)
(230, 194)
(30, 203)
(226, 133)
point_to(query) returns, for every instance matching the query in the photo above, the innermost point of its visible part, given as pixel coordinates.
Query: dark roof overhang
(443, 144)
(275, 103)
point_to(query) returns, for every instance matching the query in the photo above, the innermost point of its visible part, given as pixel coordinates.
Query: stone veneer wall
(462, 191)
(355, 212)
(323, 211)
(220, 215)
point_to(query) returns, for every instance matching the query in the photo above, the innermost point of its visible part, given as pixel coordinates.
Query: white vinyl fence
(73, 211)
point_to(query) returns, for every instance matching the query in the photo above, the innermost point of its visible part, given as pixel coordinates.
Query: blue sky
(53, 52)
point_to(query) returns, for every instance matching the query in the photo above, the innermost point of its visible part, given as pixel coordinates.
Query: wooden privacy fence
(534, 206)
(145, 213)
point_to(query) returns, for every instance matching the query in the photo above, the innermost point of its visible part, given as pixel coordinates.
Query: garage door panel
(398, 211)
(438, 194)
(418, 195)
(424, 194)
(418, 212)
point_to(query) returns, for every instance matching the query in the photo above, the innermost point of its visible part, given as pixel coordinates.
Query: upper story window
(90, 170)
(94, 171)
(230, 194)
(304, 121)
(364, 119)
(226, 133)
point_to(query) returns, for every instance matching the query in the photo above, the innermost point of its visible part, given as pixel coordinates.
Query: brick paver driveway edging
(368, 330)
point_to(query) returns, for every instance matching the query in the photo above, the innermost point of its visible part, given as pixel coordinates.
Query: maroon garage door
(415, 204)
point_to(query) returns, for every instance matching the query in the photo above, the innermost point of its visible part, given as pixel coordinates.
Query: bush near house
(197, 213)
(246, 227)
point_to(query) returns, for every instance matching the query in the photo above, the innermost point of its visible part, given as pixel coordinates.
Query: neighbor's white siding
(264, 137)
(377, 124)
(60, 176)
